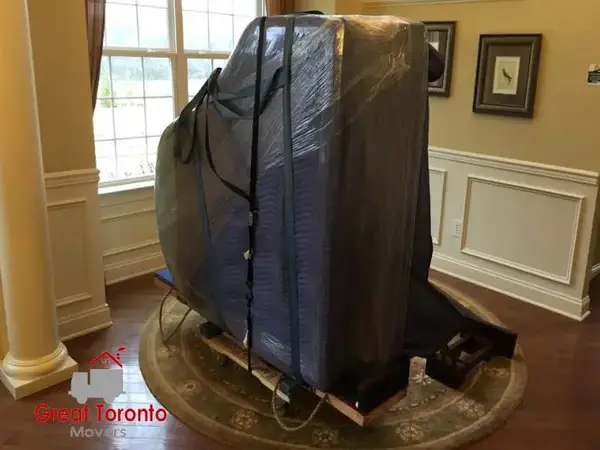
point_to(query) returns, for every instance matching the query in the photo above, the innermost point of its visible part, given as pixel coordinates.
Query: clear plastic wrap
(358, 98)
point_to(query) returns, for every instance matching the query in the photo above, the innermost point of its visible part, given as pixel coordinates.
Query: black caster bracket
(478, 342)
(366, 395)
(209, 330)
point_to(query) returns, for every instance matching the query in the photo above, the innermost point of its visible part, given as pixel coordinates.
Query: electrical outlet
(457, 229)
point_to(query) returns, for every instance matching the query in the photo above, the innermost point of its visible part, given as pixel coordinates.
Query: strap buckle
(252, 217)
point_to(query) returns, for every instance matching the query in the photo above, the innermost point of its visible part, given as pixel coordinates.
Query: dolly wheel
(222, 360)
(283, 407)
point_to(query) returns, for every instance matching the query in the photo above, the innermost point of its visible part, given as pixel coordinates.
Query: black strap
(253, 218)
(186, 119)
(212, 87)
(220, 101)
(198, 98)
(289, 202)
(223, 103)
(212, 280)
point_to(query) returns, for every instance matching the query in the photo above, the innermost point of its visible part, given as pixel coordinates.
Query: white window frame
(179, 71)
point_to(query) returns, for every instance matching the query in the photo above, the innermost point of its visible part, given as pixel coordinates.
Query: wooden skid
(268, 375)
(263, 372)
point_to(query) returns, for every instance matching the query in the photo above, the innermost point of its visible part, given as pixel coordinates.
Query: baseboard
(87, 322)
(133, 268)
(572, 308)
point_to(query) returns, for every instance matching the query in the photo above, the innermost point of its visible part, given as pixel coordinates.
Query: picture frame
(507, 74)
(442, 36)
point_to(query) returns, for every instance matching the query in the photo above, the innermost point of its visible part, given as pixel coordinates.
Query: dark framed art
(441, 36)
(507, 74)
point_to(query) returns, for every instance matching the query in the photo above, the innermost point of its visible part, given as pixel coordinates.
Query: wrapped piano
(292, 200)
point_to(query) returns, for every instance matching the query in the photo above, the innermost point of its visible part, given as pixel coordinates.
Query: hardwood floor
(561, 408)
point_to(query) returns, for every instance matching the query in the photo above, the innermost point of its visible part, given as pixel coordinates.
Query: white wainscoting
(76, 244)
(128, 221)
(516, 227)
(520, 228)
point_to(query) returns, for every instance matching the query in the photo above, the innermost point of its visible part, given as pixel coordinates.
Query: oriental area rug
(227, 404)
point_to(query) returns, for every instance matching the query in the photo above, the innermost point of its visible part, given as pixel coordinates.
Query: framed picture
(507, 73)
(441, 36)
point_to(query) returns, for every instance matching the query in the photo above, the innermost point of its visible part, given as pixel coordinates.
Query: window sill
(125, 187)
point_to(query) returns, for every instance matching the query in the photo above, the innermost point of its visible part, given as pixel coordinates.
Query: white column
(36, 359)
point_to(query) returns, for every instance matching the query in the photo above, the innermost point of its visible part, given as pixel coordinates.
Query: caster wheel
(222, 360)
(283, 408)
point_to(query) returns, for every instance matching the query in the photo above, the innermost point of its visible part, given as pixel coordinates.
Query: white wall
(76, 246)
(94, 238)
(129, 232)
(76, 243)
(524, 229)
(516, 227)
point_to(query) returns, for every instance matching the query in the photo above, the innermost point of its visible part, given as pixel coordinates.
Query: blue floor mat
(165, 276)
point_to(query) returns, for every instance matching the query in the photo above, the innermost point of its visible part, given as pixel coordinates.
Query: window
(157, 55)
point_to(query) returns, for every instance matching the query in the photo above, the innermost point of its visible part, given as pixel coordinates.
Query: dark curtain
(95, 11)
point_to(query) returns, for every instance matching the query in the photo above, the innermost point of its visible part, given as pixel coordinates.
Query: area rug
(227, 404)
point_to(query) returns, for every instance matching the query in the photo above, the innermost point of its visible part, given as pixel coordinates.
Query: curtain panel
(95, 12)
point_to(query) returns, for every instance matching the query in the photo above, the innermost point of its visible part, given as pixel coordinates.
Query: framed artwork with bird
(507, 74)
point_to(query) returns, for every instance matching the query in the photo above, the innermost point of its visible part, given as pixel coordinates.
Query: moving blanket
(337, 114)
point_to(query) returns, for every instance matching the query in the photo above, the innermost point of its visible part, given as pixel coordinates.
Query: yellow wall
(565, 130)
(60, 60)
(326, 6)
(348, 6)
(330, 6)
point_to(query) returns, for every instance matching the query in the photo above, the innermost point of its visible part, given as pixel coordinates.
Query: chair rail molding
(76, 242)
(517, 227)
(595, 270)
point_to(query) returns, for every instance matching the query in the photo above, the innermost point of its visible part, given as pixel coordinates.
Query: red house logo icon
(107, 359)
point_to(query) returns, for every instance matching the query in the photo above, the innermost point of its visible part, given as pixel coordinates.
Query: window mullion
(180, 61)
(145, 103)
(207, 54)
(138, 52)
(137, 23)
(114, 122)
